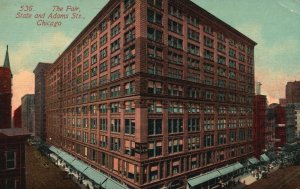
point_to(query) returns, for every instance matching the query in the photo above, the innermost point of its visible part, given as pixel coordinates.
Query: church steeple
(6, 60)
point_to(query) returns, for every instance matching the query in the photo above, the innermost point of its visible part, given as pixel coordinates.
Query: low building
(12, 158)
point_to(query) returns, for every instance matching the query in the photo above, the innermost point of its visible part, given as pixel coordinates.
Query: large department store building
(152, 93)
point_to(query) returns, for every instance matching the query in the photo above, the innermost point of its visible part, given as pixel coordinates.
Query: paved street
(43, 174)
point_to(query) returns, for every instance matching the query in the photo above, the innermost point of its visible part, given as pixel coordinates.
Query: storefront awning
(55, 150)
(66, 157)
(264, 158)
(79, 165)
(253, 160)
(109, 183)
(94, 175)
(230, 168)
(195, 181)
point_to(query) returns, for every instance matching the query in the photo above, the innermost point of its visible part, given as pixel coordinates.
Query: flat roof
(14, 132)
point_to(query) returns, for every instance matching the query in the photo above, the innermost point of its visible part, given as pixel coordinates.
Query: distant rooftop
(14, 132)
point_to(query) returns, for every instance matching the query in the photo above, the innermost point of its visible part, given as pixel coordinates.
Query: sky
(273, 24)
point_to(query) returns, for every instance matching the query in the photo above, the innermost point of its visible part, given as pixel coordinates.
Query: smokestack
(258, 88)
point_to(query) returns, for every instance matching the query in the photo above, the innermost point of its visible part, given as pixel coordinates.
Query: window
(93, 123)
(154, 149)
(232, 64)
(115, 143)
(193, 143)
(175, 73)
(94, 47)
(115, 30)
(129, 107)
(93, 138)
(175, 58)
(232, 136)
(157, 3)
(129, 148)
(193, 108)
(115, 45)
(174, 11)
(221, 36)
(115, 91)
(208, 42)
(193, 49)
(193, 35)
(175, 90)
(103, 26)
(129, 69)
(208, 55)
(175, 107)
(103, 53)
(208, 29)
(115, 107)
(129, 53)
(103, 79)
(193, 21)
(10, 159)
(130, 126)
(174, 26)
(103, 67)
(115, 15)
(221, 59)
(129, 19)
(175, 125)
(154, 52)
(193, 63)
(102, 108)
(115, 75)
(103, 124)
(129, 36)
(175, 145)
(221, 72)
(154, 87)
(94, 71)
(208, 140)
(155, 107)
(154, 126)
(103, 40)
(103, 141)
(221, 138)
(8, 184)
(154, 17)
(208, 124)
(129, 88)
(193, 124)
(115, 125)
(155, 69)
(175, 42)
(115, 60)
(154, 35)
(128, 3)
(221, 47)
(232, 52)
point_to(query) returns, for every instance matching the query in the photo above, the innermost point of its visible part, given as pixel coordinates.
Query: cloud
(271, 61)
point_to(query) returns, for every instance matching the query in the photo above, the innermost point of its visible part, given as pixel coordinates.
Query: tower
(5, 93)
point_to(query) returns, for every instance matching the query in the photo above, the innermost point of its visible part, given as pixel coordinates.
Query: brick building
(5, 93)
(39, 99)
(28, 112)
(260, 125)
(18, 117)
(292, 92)
(152, 93)
(12, 158)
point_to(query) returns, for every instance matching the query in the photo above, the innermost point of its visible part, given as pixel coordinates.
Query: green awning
(253, 160)
(66, 157)
(79, 165)
(55, 150)
(109, 183)
(230, 168)
(195, 181)
(264, 157)
(94, 175)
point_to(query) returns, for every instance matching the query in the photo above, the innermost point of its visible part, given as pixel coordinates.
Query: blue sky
(273, 24)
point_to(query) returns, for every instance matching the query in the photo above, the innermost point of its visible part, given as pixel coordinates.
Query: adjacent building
(18, 117)
(39, 99)
(291, 118)
(292, 92)
(28, 112)
(260, 141)
(5, 93)
(152, 93)
(12, 140)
